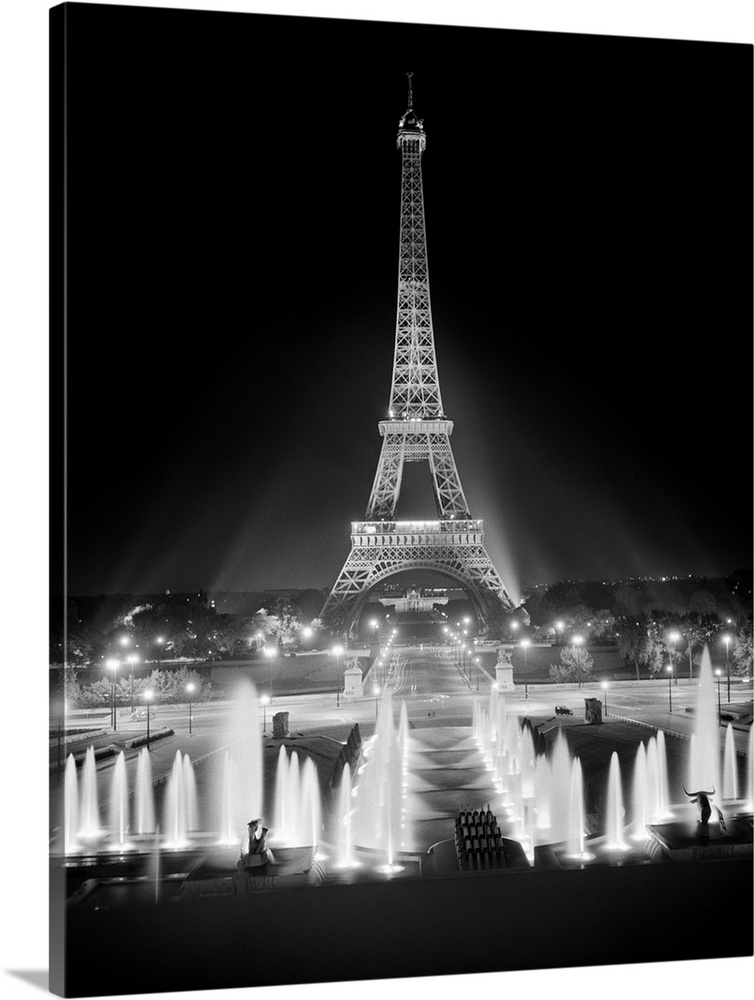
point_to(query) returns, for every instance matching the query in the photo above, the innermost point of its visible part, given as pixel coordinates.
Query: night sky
(234, 194)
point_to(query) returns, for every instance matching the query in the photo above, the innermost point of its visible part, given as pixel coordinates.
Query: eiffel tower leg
(354, 580)
(387, 481)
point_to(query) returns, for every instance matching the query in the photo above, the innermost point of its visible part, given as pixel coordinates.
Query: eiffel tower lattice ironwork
(417, 431)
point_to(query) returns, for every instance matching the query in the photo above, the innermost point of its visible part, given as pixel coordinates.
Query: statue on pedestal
(702, 799)
(258, 853)
(504, 669)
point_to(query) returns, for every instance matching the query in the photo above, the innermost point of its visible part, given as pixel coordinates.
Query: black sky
(232, 265)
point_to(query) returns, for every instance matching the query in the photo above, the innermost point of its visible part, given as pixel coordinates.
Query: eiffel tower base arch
(380, 549)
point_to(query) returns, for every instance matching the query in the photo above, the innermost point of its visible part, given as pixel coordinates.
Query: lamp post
(190, 688)
(673, 638)
(337, 651)
(148, 700)
(577, 640)
(113, 664)
(131, 659)
(376, 699)
(160, 641)
(604, 688)
(525, 644)
(559, 626)
(264, 700)
(726, 640)
(719, 706)
(669, 669)
(476, 660)
(270, 652)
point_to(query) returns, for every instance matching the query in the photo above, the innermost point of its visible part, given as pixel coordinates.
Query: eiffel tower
(417, 431)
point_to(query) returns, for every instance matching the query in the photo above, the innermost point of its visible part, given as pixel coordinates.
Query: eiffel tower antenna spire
(416, 430)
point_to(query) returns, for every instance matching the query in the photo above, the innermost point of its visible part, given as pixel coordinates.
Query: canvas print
(401, 573)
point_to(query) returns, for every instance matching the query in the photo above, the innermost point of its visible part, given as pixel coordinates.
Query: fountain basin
(681, 840)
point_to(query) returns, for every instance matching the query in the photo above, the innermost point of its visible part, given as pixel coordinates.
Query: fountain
(539, 799)
(576, 832)
(704, 758)
(90, 830)
(344, 857)
(237, 777)
(180, 802)
(118, 812)
(730, 766)
(639, 798)
(298, 811)
(71, 806)
(145, 818)
(379, 822)
(228, 803)
(614, 812)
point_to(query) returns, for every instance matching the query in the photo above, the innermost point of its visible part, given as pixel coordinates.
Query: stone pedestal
(280, 725)
(593, 711)
(353, 681)
(504, 676)
(504, 669)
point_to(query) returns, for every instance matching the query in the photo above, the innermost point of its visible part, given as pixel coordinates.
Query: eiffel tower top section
(415, 393)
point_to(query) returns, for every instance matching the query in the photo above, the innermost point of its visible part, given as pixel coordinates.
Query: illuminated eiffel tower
(417, 431)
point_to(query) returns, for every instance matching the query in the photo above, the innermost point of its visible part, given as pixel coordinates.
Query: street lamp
(604, 688)
(131, 659)
(159, 640)
(270, 652)
(476, 660)
(525, 644)
(338, 652)
(190, 688)
(264, 701)
(376, 699)
(726, 640)
(669, 669)
(148, 699)
(719, 707)
(113, 664)
(577, 640)
(673, 638)
(559, 626)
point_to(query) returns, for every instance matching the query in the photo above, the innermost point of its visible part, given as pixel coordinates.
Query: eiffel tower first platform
(416, 430)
